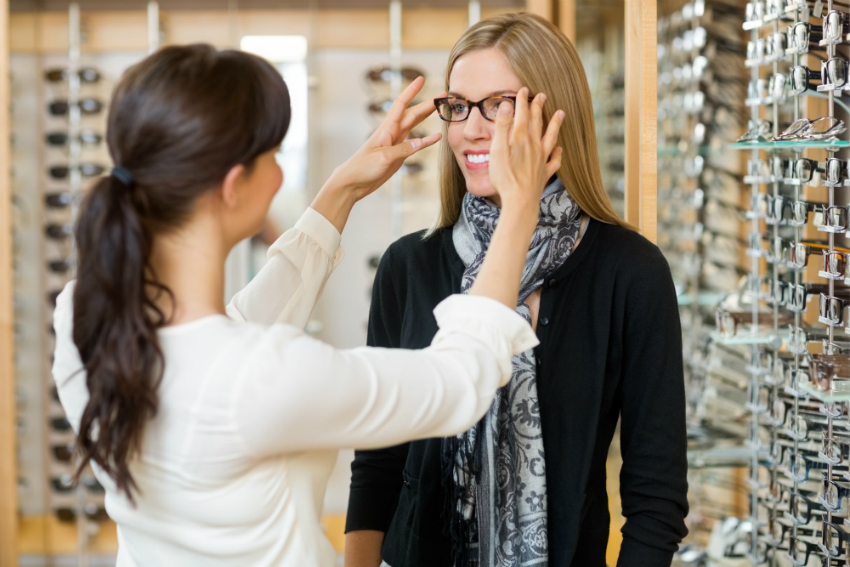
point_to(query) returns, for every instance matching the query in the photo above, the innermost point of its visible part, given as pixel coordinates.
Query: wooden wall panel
(641, 119)
(428, 28)
(8, 471)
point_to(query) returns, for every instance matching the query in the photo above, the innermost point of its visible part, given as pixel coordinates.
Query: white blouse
(233, 467)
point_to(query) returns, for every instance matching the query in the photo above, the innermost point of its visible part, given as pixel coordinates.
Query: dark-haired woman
(213, 428)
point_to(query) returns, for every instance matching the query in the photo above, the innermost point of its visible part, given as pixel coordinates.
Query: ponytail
(115, 329)
(178, 122)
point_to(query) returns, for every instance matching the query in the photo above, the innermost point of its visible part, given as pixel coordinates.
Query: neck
(190, 262)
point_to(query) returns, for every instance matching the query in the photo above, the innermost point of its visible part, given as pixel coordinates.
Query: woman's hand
(378, 159)
(522, 157)
(519, 168)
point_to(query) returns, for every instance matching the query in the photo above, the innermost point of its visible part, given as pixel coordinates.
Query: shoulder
(631, 256)
(415, 254)
(418, 246)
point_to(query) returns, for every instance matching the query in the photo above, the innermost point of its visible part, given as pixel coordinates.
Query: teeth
(478, 158)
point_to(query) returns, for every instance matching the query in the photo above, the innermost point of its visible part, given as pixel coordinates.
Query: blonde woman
(527, 484)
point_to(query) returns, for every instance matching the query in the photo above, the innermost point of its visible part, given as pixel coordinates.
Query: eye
(459, 107)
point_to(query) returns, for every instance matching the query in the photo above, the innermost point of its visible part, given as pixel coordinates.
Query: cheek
(455, 138)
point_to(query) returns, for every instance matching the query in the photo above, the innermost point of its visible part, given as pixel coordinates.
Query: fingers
(551, 136)
(504, 121)
(554, 163)
(521, 115)
(409, 147)
(414, 116)
(535, 123)
(404, 99)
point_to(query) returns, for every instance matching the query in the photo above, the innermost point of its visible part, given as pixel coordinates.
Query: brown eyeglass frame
(479, 105)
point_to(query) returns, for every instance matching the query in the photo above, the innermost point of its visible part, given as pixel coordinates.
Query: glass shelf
(702, 298)
(788, 145)
(673, 151)
(840, 392)
(745, 338)
(719, 457)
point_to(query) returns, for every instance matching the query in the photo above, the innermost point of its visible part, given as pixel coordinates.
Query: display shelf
(744, 338)
(706, 299)
(840, 392)
(720, 457)
(788, 145)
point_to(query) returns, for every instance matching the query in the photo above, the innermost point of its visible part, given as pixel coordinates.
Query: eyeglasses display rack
(797, 509)
(700, 110)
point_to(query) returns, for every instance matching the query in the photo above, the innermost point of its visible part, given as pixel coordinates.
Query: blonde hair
(546, 62)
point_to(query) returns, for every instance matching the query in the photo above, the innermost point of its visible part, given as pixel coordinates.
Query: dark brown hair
(178, 122)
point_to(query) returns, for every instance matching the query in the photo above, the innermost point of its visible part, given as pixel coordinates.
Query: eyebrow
(496, 93)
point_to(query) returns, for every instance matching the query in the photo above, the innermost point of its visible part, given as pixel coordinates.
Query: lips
(476, 160)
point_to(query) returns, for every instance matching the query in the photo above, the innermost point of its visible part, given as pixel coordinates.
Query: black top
(610, 346)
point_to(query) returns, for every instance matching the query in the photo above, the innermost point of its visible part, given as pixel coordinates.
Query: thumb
(405, 149)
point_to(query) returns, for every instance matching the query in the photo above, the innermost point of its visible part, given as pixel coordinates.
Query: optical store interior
(722, 139)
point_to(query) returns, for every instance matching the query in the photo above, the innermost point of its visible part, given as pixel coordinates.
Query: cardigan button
(553, 282)
(544, 321)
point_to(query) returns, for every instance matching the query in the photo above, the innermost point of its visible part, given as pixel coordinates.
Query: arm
(653, 480)
(376, 475)
(300, 262)
(295, 393)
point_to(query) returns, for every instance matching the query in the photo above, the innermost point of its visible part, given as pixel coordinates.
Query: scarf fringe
(455, 525)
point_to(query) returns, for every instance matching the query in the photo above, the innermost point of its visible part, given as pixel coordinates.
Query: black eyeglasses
(59, 266)
(86, 170)
(58, 200)
(86, 137)
(92, 511)
(60, 423)
(63, 453)
(86, 74)
(87, 106)
(454, 109)
(59, 231)
(65, 483)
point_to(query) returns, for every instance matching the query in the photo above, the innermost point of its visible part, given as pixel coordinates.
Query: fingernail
(561, 115)
(542, 97)
(504, 108)
(416, 143)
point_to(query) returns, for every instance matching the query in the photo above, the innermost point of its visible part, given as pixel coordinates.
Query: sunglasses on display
(88, 75)
(65, 484)
(59, 200)
(86, 170)
(454, 109)
(63, 453)
(87, 106)
(59, 267)
(86, 138)
(56, 231)
(92, 511)
(384, 74)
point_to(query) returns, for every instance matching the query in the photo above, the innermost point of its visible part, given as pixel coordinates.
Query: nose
(477, 127)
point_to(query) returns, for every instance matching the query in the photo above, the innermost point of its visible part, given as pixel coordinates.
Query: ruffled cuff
(321, 231)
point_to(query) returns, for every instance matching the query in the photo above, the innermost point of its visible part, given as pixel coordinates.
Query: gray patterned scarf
(495, 473)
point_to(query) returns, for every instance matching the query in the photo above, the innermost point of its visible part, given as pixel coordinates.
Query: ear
(230, 186)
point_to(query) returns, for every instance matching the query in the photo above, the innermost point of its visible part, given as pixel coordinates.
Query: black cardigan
(610, 346)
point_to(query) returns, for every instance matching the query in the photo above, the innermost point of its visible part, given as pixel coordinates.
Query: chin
(480, 187)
